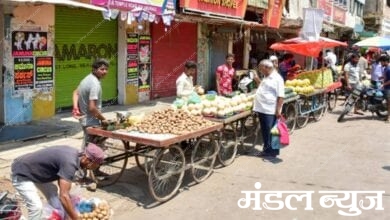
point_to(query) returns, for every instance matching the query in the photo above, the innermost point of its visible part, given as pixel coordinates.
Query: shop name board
(223, 3)
(225, 8)
(87, 51)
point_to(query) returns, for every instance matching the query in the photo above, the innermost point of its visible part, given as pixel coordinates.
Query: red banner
(339, 15)
(273, 15)
(225, 8)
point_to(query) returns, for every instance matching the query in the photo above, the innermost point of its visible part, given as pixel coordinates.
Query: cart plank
(155, 140)
(291, 99)
(232, 118)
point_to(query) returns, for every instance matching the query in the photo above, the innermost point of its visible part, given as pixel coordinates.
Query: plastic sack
(283, 132)
(275, 142)
(194, 99)
(50, 213)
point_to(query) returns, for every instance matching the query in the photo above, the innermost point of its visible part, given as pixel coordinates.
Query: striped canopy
(380, 42)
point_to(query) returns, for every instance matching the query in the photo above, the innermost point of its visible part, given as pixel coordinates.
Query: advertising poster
(24, 73)
(132, 72)
(144, 61)
(132, 59)
(29, 43)
(44, 72)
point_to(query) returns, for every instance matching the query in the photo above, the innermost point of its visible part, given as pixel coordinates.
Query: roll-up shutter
(80, 36)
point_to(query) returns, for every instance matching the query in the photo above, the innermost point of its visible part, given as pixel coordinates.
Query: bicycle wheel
(320, 104)
(116, 157)
(166, 173)
(227, 145)
(203, 158)
(290, 114)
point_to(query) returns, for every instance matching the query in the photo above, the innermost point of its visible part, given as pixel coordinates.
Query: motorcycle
(365, 99)
(9, 208)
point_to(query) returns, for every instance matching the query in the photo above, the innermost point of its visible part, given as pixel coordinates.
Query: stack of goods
(320, 78)
(170, 121)
(94, 209)
(300, 86)
(217, 106)
(289, 93)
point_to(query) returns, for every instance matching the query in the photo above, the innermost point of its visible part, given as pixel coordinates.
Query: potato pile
(171, 121)
(100, 212)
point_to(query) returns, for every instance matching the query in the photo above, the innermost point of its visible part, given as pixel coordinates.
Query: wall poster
(29, 43)
(23, 73)
(132, 59)
(44, 76)
(144, 61)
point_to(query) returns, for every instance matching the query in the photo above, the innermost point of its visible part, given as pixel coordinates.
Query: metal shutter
(80, 35)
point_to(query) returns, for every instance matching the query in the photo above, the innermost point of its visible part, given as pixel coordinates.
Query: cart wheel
(303, 113)
(290, 114)
(332, 100)
(248, 130)
(166, 173)
(227, 145)
(321, 103)
(147, 153)
(203, 158)
(116, 156)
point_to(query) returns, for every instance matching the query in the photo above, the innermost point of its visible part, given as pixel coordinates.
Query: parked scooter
(9, 208)
(365, 99)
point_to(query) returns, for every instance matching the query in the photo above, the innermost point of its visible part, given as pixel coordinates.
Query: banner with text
(273, 16)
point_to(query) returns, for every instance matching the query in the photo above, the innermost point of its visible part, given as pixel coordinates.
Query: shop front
(142, 27)
(220, 31)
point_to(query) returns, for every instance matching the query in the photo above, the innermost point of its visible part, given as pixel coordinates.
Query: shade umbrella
(307, 47)
(380, 42)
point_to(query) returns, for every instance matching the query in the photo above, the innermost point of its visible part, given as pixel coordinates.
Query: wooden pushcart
(166, 158)
(238, 129)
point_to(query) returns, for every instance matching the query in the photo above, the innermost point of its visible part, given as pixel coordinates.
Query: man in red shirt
(224, 76)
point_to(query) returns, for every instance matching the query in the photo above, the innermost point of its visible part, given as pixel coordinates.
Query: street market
(252, 91)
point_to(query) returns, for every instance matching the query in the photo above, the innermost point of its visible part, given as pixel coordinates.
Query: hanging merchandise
(114, 14)
(123, 16)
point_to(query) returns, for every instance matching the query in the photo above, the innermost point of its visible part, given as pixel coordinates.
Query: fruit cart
(290, 110)
(237, 130)
(314, 103)
(166, 159)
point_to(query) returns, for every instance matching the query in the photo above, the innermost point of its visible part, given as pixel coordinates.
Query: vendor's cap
(273, 57)
(94, 153)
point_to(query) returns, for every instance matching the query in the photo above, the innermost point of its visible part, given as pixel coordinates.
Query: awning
(61, 2)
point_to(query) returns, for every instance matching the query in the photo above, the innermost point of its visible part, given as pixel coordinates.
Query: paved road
(324, 156)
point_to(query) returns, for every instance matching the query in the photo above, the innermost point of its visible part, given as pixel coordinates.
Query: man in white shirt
(352, 75)
(331, 60)
(185, 84)
(268, 104)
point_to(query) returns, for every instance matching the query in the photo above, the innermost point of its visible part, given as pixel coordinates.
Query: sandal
(358, 113)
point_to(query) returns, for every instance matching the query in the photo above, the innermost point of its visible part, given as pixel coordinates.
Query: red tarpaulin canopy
(305, 47)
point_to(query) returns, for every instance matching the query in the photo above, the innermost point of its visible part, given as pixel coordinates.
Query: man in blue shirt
(386, 83)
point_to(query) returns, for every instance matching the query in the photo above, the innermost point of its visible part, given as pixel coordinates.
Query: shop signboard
(23, 73)
(44, 73)
(225, 8)
(29, 43)
(326, 6)
(339, 15)
(258, 3)
(153, 6)
(273, 16)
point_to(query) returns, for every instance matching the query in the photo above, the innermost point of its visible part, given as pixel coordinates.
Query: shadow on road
(386, 168)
